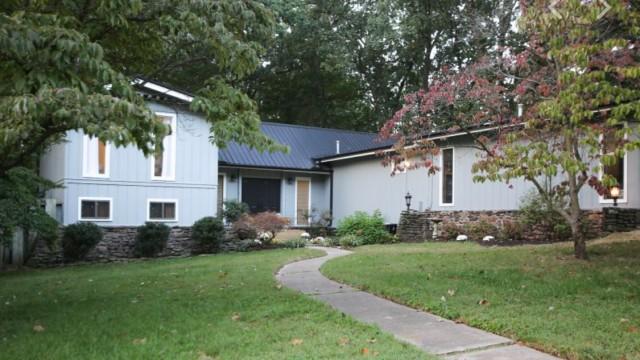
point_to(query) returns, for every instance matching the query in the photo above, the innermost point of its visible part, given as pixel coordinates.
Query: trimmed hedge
(78, 239)
(208, 232)
(151, 239)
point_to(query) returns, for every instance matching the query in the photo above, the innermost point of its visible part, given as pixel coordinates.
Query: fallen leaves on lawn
(203, 356)
(343, 341)
(483, 302)
(279, 286)
(235, 317)
(451, 292)
(139, 341)
(372, 340)
(296, 341)
(632, 329)
(38, 328)
(364, 351)
(623, 320)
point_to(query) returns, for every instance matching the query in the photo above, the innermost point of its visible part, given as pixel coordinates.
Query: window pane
(157, 170)
(155, 210)
(88, 209)
(616, 170)
(169, 210)
(103, 209)
(447, 176)
(102, 158)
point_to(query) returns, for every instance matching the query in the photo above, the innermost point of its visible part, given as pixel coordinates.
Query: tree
(347, 64)
(579, 82)
(68, 65)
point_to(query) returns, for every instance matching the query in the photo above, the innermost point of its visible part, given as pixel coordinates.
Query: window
(222, 182)
(163, 164)
(95, 157)
(162, 210)
(303, 201)
(446, 177)
(95, 209)
(617, 170)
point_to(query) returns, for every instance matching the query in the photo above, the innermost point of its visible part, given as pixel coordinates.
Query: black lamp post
(407, 200)
(614, 192)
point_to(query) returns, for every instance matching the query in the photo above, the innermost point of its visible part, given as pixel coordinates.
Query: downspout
(331, 198)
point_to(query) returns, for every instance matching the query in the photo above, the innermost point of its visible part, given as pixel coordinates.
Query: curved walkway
(428, 332)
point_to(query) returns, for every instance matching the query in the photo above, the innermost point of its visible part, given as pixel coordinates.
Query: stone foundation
(117, 244)
(417, 226)
(621, 219)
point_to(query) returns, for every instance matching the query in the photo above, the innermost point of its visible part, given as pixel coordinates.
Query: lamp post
(407, 200)
(614, 192)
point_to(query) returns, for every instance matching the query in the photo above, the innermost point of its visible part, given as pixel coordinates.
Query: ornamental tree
(578, 81)
(69, 64)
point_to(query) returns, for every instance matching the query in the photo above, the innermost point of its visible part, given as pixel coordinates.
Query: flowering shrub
(479, 229)
(269, 222)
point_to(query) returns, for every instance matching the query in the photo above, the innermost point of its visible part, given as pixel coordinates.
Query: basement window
(162, 210)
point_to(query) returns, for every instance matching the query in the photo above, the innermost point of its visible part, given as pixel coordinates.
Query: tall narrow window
(617, 170)
(163, 163)
(446, 177)
(95, 157)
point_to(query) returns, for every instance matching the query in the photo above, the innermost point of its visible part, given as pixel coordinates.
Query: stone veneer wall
(621, 219)
(117, 245)
(417, 226)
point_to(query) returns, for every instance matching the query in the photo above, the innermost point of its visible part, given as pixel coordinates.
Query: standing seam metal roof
(305, 145)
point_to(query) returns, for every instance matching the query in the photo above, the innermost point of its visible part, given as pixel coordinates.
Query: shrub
(319, 225)
(449, 231)
(243, 228)
(351, 240)
(370, 228)
(479, 229)
(78, 239)
(269, 222)
(151, 239)
(233, 210)
(510, 231)
(330, 241)
(208, 232)
(534, 211)
(295, 243)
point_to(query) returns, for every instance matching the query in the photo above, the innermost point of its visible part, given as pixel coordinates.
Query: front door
(261, 194)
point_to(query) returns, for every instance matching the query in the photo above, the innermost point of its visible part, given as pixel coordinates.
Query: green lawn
(538, 295)
(209, 307)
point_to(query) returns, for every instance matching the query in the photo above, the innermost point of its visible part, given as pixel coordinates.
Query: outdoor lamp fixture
(407, 200)
(614, 192)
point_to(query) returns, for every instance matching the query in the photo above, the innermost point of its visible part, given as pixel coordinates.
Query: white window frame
(91, 198)
(107, 159)
(224, 192)
(453, 171)
(149, 201)
(174, 137)
(625, 189)
(295, 202)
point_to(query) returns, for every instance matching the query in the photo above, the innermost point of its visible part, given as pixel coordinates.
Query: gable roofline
(163, 90)
(386, 149)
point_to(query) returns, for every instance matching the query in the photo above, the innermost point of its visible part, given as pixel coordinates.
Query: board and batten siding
(130, 183)
(320, 188)
(363, 184)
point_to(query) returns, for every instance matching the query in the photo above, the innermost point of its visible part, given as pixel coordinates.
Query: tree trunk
(579, 243)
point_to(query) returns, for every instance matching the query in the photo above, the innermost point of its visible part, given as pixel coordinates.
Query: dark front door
(261, 194)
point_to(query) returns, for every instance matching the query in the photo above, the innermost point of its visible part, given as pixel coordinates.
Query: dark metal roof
(305, 145)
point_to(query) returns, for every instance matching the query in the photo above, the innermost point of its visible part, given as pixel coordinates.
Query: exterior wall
(364, 184)
(129, 183)
(320, 188)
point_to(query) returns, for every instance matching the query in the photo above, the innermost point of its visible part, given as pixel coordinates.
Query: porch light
(407, 199)
(614, 192)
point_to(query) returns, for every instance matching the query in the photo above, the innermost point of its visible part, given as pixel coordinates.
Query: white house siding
(130, 185)
(364, 184)
(320, 187)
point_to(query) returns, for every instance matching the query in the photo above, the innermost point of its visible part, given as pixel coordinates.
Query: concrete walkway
(428, 332)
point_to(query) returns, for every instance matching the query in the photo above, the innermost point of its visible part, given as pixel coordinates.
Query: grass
(209, 307)
(538, 295)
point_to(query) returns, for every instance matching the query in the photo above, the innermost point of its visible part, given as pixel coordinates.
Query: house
(325, 170)
(361, 183)
(121, 187)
